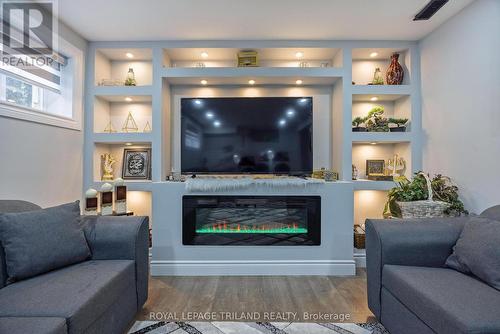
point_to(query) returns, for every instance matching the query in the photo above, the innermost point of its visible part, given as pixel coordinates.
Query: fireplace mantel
(334, 255)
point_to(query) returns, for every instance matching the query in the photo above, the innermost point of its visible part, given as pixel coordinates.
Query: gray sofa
(410, 290)
(100, 295)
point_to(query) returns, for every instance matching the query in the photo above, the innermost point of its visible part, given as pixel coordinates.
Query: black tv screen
(257, 135)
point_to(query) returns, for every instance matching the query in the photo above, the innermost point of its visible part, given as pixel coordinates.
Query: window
(49, 93)
(21, 93)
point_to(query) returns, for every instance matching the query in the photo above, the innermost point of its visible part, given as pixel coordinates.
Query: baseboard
(253, 268)
(360, 260)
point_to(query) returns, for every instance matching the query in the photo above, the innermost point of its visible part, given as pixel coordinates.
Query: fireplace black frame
(191, 202)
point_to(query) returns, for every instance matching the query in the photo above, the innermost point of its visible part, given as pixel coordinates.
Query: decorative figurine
(120, 196)
(397, 165)
(355, 172)
(147, 128)
(91, 202)
(107, 161)
(130, 125)
(130, 81)
(106, 199)
(377, 77)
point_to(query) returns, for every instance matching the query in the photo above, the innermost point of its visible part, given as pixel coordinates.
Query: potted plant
(375, 122)
(423, 197)
(356, 123)
(400, 124)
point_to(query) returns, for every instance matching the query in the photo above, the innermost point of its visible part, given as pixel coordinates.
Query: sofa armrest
(409, 242)
(122, 238)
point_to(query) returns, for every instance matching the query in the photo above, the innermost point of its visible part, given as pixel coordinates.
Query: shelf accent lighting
(128, 99)
(129, 55)
(204, 54)
(204, 82)
(374, 98)
(251, 82)
(298, 82)
(373, 54)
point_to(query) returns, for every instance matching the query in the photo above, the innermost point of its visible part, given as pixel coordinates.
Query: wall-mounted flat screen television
(247, 135)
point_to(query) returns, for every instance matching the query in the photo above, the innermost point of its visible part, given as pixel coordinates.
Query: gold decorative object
(147, 128)
(107, 161)
(109, 128)
(330, 176)
(397, 165)
(130, 125)
(248, 59)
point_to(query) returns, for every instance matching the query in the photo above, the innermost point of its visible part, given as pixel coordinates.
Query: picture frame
(375, 167)
(136, 164)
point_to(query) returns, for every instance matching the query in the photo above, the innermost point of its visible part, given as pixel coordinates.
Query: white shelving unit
(163, 68)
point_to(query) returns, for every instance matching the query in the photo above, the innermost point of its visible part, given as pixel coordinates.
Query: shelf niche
(364, 65)
(115, 109)
(395, 106)
(368, 204)
(116, 150)
(113, 64)
(267, 57)
(379, 151)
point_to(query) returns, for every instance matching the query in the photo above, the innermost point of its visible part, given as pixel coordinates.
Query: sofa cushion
(41, 325)
(38, 241)
(478, 251)
(446, 300)
(79, 293)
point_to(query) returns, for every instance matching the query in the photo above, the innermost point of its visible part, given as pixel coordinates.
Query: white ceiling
(98, 20)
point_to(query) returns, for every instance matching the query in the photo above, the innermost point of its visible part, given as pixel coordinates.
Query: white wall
(41, 163)
(460, 102)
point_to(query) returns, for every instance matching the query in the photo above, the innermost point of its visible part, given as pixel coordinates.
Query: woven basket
(423, 209)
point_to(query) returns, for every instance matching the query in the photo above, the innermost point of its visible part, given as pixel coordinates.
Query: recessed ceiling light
(204, 82)
(299, 54)
(374, 98)
(128, 99)
(298, 82)
(128, 144)
(216, 124)
(129, 55)
(209, 114)
(373, 143)
(373, 54)
(198, 102)
(251, 82)
(204, 54)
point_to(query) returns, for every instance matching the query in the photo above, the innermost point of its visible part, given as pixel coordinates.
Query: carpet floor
(161, 327)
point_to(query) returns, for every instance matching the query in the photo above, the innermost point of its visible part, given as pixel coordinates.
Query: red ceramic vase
(395, 72)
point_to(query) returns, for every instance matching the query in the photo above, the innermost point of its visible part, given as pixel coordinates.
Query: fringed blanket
(214, 184)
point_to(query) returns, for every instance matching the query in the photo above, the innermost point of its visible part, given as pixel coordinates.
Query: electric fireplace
(251, 220)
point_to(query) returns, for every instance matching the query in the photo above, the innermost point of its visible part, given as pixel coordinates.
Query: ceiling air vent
(429, 10)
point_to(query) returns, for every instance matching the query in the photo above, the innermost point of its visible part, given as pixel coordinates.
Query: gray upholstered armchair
(100, 295)
(410, 290)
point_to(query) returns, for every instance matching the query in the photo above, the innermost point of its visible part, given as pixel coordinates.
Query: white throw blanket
(211, 184)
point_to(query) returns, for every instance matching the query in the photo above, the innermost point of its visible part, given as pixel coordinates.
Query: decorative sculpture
(147, 128)
(397, 165)
(130, 125)
(107, 161)
(109, 128)
(106, 199)
(91, 202)
(120, 196)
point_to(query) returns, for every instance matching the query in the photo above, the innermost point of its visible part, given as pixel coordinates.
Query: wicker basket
(359, 237)
(423, 209)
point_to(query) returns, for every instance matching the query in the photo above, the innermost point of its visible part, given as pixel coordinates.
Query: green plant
(356, 122)
(375, 122)
(416, 190)
(398, 121)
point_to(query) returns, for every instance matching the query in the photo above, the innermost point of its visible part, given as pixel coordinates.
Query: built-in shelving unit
(327, 69)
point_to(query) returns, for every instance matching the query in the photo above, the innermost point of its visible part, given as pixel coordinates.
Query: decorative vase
(130, 81)
(395, 72)
(377, 77)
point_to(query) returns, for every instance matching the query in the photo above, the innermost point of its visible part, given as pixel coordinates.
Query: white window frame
(12, 110)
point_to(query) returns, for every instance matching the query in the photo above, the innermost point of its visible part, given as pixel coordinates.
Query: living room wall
(461, 117)
(41, 163)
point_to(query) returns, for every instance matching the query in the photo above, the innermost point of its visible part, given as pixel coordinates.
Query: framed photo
(136, 164)
(375, 167)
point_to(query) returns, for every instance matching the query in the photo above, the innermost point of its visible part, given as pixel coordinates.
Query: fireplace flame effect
(224, 227)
